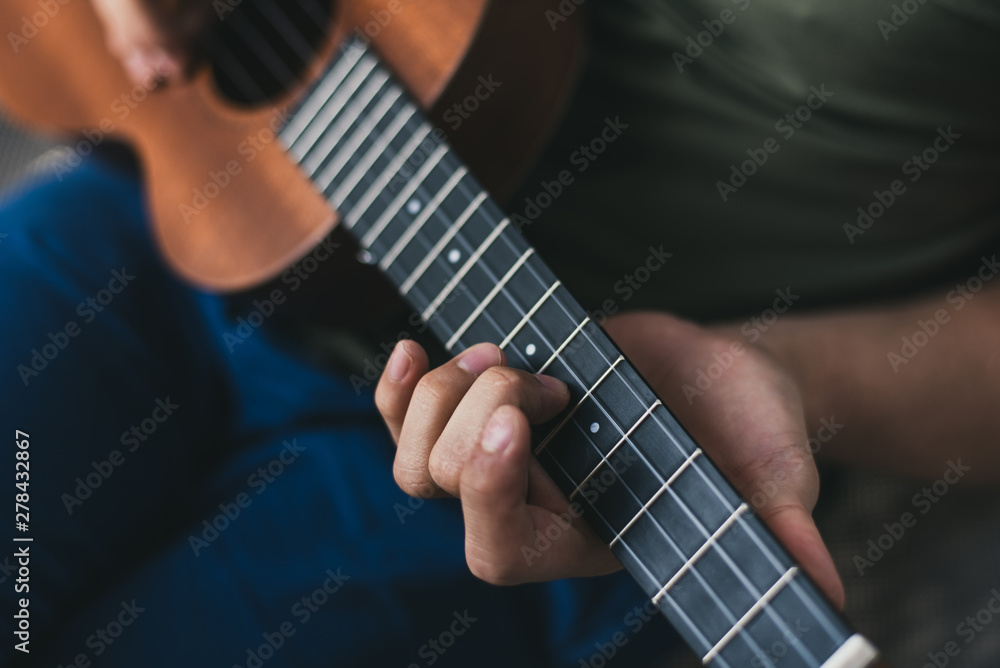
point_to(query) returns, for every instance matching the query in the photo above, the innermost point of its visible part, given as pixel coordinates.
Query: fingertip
(497, 434)
(502, 452)
(400, 363)
(797, 530)
(480, 357)
(553, 383)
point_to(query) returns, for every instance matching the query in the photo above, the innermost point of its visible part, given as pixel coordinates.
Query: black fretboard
(693, 545)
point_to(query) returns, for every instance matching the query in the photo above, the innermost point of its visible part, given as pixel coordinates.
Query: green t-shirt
(755, 131)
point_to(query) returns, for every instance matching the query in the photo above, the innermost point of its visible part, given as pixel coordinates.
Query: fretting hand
(463, 430)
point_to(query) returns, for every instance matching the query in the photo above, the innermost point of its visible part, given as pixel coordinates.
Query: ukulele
(238, 193)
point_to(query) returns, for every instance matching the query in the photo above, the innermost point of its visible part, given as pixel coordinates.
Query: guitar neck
(692, 544)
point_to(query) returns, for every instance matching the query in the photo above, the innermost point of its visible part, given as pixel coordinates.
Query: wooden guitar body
(230, 210)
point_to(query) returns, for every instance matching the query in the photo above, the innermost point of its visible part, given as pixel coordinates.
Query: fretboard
(690, 541)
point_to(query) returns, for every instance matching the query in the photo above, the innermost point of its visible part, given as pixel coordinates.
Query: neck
(693, 545)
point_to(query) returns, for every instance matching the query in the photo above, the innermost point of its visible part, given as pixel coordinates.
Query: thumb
(793, 525)
(508, 541)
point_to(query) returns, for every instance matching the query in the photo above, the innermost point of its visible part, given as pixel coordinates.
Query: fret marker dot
(530, 349)
(413, 207)
(594, 428)
(454, 255)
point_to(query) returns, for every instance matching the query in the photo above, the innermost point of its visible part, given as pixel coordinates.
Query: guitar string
(637, 558)
(633, 493)
(752, 590)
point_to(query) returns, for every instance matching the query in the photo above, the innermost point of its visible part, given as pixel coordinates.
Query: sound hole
(258, 49)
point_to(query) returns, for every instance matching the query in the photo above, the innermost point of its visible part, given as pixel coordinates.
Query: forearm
(903, 406)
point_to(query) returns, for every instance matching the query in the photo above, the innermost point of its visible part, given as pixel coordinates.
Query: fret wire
(324, 145)
(460, 274)
(315, 100)
(611, 527)
(751, 613)
(321, 122)
(527, 316)
(761, 604)
(360, 132)
(429, 209)
(489, 298)
(736, 569)
(569, 339)
(689, 564)
(551, 435)
(607, 456)
(768, 554)
(376, 151)
(375, 190)
(663, 488)
(763, 548)
(707, 588)
(442, 242)
(672, 543)
(397, 203)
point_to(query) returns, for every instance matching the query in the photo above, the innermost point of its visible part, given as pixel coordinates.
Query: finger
(794, 527)
(406, 366)
(508, 541)
(431, 405)
(539, 398)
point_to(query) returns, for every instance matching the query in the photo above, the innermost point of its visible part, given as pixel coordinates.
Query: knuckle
(415, 483)
(494, 571)
(501, 381)
(443, 469)
(431, 390)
